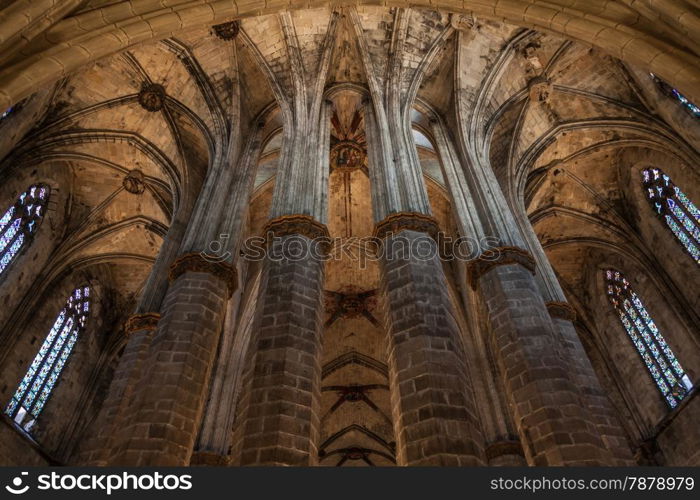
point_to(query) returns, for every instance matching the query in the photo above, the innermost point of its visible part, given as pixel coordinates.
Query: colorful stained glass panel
(658, 357)
(20, 222)
(35, 388)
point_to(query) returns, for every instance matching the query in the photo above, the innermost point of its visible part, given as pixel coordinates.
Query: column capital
(498, 256)
(561, 310)
(407, 221)
(141, 322)
(301, 224)
(196, 263)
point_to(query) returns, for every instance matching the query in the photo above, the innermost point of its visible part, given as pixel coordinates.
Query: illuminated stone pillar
(167, 401)
(278, 419)
(433, 409)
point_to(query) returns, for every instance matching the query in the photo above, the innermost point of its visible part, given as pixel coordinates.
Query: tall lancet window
(675, 208)
(20, 222)
(667, 372)
(35, 388)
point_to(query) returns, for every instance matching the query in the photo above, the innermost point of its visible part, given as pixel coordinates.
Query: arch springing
(675, 208)
(35, 388)
(21, 221)
(662, 364)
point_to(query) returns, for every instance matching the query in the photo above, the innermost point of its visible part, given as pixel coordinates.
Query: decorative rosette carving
(227, 31)
(134, 182)
(152, 97)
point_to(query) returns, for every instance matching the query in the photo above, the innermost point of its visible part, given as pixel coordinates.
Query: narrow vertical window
(671, 92)
(35, 388)
(675, 208)
(661, 362)
(20, 222)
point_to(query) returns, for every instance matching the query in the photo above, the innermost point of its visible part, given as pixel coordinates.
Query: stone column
(581, 370)
(554, 426)
(166, 416)
(433, 411)
(167, 405)
(96, 451)
(278, 422)
(117, 405)
(583, 374)
(502, 447)
(214, 440)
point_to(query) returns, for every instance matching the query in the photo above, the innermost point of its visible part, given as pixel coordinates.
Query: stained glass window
(661, 362)
(20, 222)
(35, 388)
(675, 208)
(671, 92)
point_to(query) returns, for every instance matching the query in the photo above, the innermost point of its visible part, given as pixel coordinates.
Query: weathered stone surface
(149, 123)
(166, 410)
(554, 427)
(434, 414)
(278, 422)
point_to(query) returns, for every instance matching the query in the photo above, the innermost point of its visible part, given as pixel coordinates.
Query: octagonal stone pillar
(278, 414)
(433, 408)
(169, 378)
